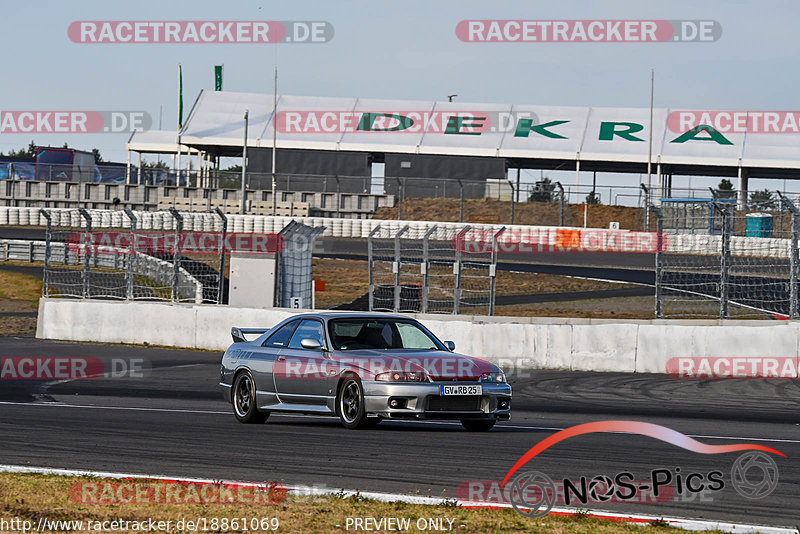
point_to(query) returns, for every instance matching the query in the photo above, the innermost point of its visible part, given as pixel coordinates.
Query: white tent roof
(577, 132)
(155, 141)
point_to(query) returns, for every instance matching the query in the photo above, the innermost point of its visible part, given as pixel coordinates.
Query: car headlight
(402, 376)
(496, 377)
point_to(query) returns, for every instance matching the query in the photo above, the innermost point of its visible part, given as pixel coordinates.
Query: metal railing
(80, 262)
(741, 265)
(430, 270)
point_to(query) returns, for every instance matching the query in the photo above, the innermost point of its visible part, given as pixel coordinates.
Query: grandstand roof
(603, 139)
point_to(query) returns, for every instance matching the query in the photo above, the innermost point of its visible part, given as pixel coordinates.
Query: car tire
(350, 406)
(478, 425)
(243, 398)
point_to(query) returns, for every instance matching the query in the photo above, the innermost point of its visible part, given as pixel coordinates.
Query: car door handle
(281, 358)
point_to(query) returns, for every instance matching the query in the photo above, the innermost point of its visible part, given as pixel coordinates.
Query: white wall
(521, 342)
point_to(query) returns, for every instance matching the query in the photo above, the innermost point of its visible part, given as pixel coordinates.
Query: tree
(593, 198)
(542, 191)
(763, 200)
(22, 153)
(234, 168)
(97, 157)
(158, 165)
(725, 189)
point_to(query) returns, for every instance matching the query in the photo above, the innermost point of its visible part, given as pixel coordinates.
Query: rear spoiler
(238, 333)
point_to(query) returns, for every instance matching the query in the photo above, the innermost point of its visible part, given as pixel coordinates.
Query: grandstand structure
(326, 136)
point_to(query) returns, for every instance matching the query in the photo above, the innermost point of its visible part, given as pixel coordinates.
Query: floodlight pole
(243, 201)
(274, 141)
(649, 158)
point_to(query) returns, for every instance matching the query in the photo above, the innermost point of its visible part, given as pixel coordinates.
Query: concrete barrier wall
(521, 343)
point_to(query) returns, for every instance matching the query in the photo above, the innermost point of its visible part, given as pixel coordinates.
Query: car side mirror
(311, 344)
(451, 346)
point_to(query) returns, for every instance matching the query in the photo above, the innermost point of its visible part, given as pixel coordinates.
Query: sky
(397, 50)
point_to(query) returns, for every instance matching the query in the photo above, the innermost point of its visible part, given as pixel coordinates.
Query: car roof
(348, 314)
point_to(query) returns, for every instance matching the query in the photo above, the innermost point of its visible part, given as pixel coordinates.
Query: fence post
(459, 242)
(222, 254)
(401, 184)
(560, 204)
(338, 198)
(659, 274)
(396, 267)
(460, 202)
(176, 261)
(87, 253)
(371, 262)
(725, 259)
(47, 238)
(493, 270)
(513, 193)
(648, 206)
(794, 258)
(425, 266)
(131, 256)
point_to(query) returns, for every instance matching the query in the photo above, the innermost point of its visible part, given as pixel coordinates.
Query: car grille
(454, 404)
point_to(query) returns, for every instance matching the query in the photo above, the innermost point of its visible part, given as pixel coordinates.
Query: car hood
(439, 365)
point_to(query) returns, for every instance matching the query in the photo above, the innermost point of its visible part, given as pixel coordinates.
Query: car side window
(308, 329)
(413, 337)
(281, 335)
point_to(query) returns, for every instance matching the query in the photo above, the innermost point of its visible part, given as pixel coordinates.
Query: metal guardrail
(152, 268)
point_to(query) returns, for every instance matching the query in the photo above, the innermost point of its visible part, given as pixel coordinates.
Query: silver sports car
(361, 367)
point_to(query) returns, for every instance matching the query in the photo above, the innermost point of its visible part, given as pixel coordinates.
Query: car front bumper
(423, 401)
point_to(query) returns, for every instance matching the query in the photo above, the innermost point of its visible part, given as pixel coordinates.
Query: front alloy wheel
(244, 400)
(352, 411)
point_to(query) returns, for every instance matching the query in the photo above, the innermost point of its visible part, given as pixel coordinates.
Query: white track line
(680, 522)
(329, 418)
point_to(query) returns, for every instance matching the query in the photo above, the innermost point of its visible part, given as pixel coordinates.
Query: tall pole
(275, 141)
(243, 202)
(649, 158)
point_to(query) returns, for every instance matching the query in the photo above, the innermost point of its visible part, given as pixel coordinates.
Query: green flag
(218, 77)
(180, 96)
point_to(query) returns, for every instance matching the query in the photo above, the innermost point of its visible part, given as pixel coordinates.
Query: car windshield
(381, 334)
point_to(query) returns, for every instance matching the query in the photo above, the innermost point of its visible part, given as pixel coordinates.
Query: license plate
(460, 390)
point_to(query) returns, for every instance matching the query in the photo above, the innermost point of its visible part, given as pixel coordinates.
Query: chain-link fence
(439, 269)
(114, 258)
(719, 262)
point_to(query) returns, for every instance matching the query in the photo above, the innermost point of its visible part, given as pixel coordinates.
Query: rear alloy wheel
(350, 404)
(244, 400)
(478, 425)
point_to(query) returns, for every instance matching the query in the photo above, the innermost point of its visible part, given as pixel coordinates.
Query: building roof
(603, 139)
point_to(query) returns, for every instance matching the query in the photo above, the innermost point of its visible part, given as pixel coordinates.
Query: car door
(262, 362)
(305, 375)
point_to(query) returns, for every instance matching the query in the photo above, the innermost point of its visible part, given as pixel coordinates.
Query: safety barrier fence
(65, 274)
(737, 273)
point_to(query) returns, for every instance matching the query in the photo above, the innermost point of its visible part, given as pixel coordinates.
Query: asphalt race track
(171, 420)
